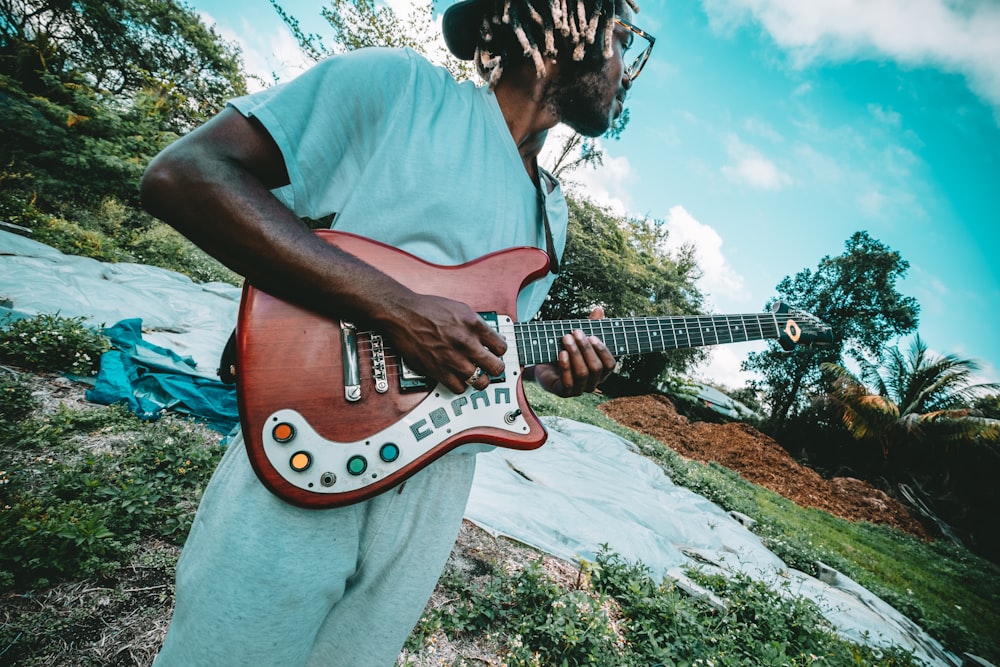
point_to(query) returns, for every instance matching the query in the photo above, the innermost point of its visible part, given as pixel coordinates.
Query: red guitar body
(329, 415)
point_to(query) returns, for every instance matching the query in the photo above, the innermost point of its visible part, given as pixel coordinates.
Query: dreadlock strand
(581, 18)
(556, 12)
(525, 37)
(550, 41)
(591, 32)
(564, 17)
(609, 32)
(540, 21)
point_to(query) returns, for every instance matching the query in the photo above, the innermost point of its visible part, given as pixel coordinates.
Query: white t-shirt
(405, 155)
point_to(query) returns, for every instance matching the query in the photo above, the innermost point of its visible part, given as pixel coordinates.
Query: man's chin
(592, 127)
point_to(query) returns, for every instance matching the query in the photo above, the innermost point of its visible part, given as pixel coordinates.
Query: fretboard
(539, 342)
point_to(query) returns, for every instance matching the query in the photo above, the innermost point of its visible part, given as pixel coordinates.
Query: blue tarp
(150, 379)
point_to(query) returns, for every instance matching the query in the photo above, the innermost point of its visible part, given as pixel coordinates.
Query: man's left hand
(583, 363)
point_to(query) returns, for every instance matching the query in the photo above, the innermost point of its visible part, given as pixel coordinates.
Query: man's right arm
(214, 186)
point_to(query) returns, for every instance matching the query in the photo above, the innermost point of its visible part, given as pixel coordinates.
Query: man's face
(589, 95)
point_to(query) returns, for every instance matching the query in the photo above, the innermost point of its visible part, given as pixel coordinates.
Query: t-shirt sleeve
(327, 121)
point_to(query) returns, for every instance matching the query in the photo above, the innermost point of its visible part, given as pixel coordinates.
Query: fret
(713, 331)
(728, 331)
(613, 343)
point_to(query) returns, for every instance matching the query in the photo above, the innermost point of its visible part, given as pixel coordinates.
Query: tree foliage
(856, 294)
(912, 397)
(988, 406)
(91, 89)
(621, 264)
(123, 47)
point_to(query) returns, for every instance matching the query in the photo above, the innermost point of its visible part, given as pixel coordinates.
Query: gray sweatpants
(261, 582)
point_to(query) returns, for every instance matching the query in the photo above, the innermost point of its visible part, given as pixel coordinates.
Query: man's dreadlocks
(528, 27)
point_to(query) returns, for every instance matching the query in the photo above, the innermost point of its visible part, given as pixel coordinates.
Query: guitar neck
(538, 342)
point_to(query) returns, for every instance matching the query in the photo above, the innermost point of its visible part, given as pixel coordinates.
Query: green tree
(912, 397)
(988, 406)
(621, 264)
(91, 89)
(122, 48)
(856, 294)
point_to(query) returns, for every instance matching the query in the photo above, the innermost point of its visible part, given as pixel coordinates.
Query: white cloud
(750, 167)
(872, 203)
(607, 186)
(604, 185)
(723, 364)
(960, 37)
(885, 116)
(266, 57)
(718, 277)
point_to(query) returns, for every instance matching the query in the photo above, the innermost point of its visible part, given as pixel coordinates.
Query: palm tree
(916, 395)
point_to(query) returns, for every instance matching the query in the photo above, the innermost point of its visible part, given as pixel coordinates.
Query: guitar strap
(550, 246)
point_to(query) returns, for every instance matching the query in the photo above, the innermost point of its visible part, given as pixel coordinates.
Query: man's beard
(575, 97)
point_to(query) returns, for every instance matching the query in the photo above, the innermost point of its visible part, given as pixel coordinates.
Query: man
(393, 149)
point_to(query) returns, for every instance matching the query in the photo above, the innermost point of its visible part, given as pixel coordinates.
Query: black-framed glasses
(637, 64)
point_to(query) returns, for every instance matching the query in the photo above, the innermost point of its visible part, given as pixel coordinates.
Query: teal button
(389, 452)
(356, 465)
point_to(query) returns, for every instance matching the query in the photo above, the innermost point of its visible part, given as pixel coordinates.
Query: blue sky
(766, 132)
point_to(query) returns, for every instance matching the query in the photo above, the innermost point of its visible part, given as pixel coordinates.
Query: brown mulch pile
(762, 461)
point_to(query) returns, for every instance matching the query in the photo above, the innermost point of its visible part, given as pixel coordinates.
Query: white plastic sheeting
(192, 320)
(584, 488)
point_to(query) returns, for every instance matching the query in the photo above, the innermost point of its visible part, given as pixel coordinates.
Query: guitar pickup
(410, 380)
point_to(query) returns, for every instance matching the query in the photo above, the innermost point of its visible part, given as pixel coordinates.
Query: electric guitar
(331, 416)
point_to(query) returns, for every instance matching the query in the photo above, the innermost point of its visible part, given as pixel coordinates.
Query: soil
(759, 459)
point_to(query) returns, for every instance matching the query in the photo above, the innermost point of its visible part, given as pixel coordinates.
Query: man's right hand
(445, 339)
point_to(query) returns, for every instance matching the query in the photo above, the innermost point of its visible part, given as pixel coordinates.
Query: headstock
(798, 327)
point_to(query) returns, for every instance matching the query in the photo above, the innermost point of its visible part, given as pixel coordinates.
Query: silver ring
(475, 376)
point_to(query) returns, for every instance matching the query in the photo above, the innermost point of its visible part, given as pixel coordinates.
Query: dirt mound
(761, 460)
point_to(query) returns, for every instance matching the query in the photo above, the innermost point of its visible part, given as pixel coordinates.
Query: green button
(389, 452)
(357, 465)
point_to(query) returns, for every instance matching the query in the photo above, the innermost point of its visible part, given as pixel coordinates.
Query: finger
(491, 364)
(491, 339)
(477, 378)
(565, 372)
(573, 363)
(488, 354)
(594, 361)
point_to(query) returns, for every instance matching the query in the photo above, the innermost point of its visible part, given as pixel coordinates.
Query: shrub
(16, 401)
(542, 622)
(71, 512)
(161, 245)
(53, 343)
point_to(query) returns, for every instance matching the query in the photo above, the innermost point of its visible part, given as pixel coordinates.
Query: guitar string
(686, 331)
(643, 331)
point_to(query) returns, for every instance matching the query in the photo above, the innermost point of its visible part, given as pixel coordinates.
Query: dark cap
(461, 26)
